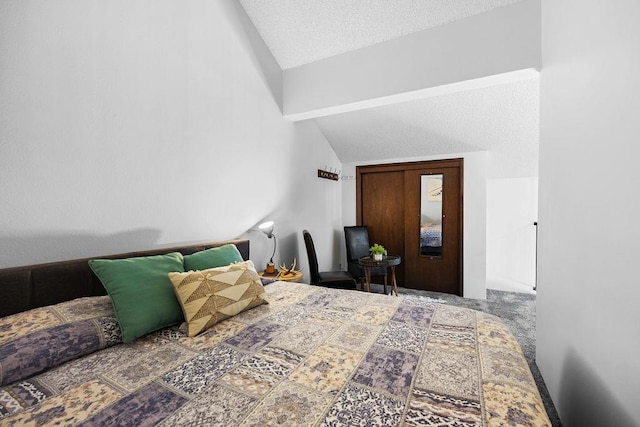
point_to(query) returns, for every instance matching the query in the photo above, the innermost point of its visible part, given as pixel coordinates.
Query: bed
(306, 356)
(431, 239)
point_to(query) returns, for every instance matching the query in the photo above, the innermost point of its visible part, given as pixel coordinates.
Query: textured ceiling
(301, 31)
(502, 120)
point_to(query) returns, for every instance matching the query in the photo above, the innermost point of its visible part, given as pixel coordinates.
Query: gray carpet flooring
(518, 311)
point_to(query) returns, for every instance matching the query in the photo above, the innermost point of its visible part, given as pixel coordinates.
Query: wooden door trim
(387, 167)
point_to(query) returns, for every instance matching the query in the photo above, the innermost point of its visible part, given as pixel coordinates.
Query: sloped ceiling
(503, 119)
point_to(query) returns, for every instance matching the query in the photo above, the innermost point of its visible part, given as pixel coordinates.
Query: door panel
(434, 270)
(382, 202)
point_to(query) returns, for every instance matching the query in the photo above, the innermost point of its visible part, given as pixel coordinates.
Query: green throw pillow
(141, 292)
(212, 258)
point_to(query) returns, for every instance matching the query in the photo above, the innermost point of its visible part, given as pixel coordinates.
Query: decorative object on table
(289, 273)
(267, 228)
(378, 251)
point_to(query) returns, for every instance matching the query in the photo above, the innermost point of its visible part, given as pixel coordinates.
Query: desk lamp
(267, 228)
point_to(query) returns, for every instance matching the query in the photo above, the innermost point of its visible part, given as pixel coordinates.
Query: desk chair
(357, 240)
(330, 279)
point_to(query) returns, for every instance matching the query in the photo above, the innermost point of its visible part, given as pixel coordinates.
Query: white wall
(588, 336)
(128, 125)
(512, 208)
(474, 216)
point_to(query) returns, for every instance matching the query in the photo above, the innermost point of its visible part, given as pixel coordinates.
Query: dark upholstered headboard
(24, 288)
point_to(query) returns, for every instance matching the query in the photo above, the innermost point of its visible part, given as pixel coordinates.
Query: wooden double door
(411, 216)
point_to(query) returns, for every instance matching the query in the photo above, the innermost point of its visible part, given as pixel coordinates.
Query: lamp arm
(275, 241)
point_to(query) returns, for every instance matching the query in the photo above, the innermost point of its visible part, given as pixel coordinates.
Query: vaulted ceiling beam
(495, 47)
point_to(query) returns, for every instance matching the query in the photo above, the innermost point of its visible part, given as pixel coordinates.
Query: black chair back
(357, 239)
(313, 259)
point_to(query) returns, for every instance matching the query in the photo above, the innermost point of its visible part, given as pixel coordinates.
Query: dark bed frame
(24, 288)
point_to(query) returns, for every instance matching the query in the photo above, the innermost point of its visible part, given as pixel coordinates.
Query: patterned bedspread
(312, 356)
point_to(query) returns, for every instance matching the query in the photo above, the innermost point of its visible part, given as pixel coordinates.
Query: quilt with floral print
(312, 356)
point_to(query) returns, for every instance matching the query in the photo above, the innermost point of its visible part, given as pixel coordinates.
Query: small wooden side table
(388, 261)
(288, 278)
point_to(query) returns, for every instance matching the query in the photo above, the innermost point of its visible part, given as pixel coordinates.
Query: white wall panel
(587, 321)
(135, 124)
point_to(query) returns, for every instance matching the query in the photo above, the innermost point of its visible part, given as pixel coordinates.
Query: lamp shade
(267, 228)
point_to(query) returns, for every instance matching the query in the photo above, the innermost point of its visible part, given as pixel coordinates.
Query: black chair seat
(337, 279)
(330, 279)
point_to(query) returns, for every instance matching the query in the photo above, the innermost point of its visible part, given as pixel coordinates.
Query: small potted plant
(377, 251)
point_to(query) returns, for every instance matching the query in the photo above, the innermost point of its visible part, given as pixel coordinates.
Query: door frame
(406, 166)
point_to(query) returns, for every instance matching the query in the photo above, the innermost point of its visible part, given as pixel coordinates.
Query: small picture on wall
(434, 190)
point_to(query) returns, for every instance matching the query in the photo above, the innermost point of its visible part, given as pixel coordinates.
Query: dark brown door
(430, 266)
(391, 200)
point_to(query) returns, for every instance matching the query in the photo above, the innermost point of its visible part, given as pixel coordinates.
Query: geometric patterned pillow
(210, 296)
